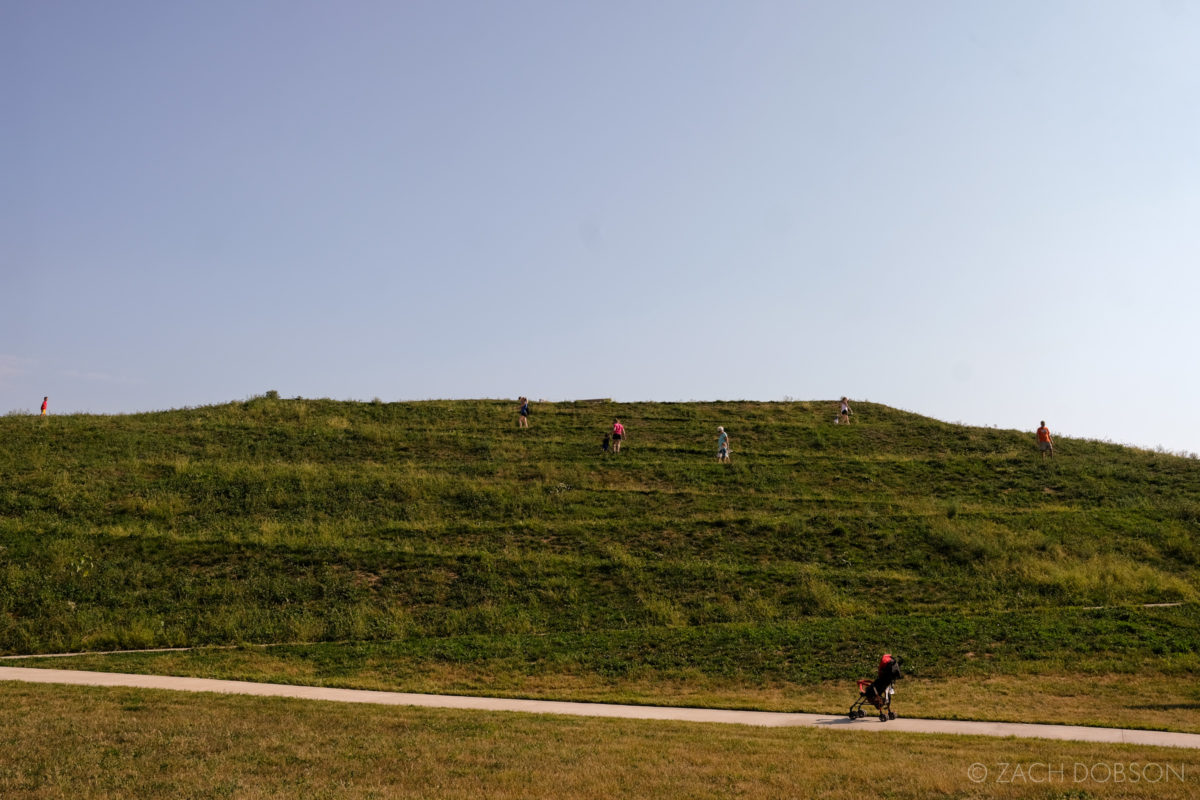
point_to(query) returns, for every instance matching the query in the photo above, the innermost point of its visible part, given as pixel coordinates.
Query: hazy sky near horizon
(981, 212)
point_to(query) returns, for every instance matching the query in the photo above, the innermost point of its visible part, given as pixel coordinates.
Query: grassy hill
(434, 545)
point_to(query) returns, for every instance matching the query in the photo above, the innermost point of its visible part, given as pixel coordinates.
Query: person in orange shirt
(1045, 444)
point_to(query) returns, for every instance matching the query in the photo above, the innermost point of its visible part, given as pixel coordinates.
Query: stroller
(878, 692)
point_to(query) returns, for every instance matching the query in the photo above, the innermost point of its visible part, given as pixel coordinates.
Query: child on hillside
(604, 445)
(1045, 443)
(844, 412)
(618, 435)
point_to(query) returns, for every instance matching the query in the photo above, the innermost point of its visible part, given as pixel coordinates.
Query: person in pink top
(45, 403)
(618, 435)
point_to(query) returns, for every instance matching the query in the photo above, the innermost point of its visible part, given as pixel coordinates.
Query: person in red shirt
(618, 435)
(45, 403)
(1045, 444)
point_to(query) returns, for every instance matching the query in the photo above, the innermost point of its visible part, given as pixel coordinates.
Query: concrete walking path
(760, 718)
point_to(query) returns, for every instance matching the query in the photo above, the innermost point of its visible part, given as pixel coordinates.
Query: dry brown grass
(84, 743)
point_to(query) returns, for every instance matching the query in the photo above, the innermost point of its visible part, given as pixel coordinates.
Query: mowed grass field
(72, 742)
(435, 547)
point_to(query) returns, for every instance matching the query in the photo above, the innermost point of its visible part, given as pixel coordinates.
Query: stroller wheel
(882, 717)
(891, 715)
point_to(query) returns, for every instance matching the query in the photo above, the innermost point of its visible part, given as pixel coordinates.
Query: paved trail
(761, 718)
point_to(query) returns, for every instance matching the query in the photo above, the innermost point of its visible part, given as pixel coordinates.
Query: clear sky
(981, 212)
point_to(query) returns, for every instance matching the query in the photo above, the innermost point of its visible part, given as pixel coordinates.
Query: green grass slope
(438, 534)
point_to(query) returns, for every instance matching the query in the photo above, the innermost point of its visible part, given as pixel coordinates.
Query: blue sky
(982, 212)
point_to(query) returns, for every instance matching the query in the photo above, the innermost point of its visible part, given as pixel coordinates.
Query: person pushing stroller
(878, 692)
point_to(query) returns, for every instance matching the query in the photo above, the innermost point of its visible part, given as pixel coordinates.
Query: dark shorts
(617, 437)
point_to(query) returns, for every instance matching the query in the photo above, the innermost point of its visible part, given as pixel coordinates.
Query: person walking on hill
(45, 405)
(722, 445)
(523, 413)
(844, 412)
(618, 435)
(606, 444)
(1045, 443)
